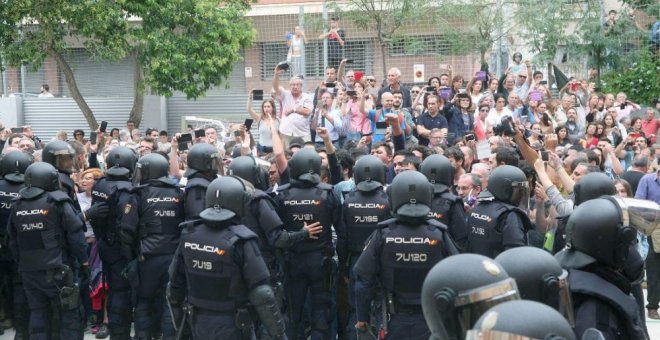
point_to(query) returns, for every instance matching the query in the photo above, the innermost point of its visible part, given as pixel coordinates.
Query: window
(419, 45)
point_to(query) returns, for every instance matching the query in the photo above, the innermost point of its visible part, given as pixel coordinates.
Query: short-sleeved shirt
(372, 117)
(430, 123)
(295, 124)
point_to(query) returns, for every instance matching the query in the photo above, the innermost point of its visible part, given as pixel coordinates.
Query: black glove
(97, 211)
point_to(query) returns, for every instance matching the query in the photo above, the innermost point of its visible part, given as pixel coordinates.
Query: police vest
(485, 237)
(593, 286)
(441, 207)
(362, 212)
(214, 280)
(560, 234)
(8, 193)
(298, 206)
(407, 255)
(161, 212)
(40, 236)
(107, 190)
(195, 197)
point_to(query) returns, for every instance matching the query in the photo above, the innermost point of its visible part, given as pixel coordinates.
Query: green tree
(385, 17)
(640, 81)
(179, 45)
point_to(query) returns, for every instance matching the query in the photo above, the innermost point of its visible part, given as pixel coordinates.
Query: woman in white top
(499, 111)
(295, 56)
(268, 113)
(474, 89)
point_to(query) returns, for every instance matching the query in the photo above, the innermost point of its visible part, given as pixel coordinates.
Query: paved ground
(653, 326)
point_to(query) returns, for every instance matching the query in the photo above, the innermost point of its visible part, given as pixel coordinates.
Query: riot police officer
(150, 233)
(500, 222)
(599, 234)
(62, 156)
(399, 254)
(12, 170)
(521, 320)
(590, 186)
(539, 277)
(203, 164)
(362, 210)
(459, 289)
(310, 265)
(219, 270)
(262, 218)
(114, 190)
(47, 240)
(446, 207)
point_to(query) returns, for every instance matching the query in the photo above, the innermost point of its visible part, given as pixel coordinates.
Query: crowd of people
(357, 210)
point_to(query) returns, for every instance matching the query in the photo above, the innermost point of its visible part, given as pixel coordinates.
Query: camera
(506, 127)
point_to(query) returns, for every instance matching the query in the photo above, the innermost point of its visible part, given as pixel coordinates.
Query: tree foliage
(640, 81)
(179, 45)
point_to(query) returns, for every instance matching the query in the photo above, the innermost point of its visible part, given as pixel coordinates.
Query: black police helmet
(152, 166)
(506, 182)
(595, 233)
(458, 289)
(593, 185)
(226, 197)
(57, 153)
(369, 173)
(202, 157)
(537, 273)
(305, 165)
(410, 195)
(40, 177)
(518, 319)
(438, 170)
(120, 162)
(246, 168)
(14, 164)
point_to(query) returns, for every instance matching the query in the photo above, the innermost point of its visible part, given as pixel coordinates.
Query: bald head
(387, 99)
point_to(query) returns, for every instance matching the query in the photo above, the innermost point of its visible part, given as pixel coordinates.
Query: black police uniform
(447, 209)
(495, 227)
(215, 268)
(398, 256)
(11, 288)
(310, 265)
(116, 192)
(152, 218)
(47, 238)
(361, 213)
(194, 196)
(605, 305)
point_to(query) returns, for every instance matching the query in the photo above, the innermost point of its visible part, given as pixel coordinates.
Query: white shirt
(295, 124)
(494, 118)
(333, 128)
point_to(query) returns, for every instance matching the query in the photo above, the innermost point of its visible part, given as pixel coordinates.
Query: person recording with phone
(263, 120)
(327, 117)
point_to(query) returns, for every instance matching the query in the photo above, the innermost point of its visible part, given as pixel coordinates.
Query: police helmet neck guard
(439, 172)
(305, 166)
(121, 162)
(40, 177)
(13, 166)
(203, 158)
(593, 185)
(369, 173)
(246, 168)
(227, 198)
(410, 196)
(151, 167)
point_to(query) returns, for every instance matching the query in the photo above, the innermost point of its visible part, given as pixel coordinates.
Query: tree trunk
(138, 96)
(73, 87)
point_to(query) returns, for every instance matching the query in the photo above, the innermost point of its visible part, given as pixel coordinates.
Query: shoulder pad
(387, 223)
(59, 196)
(242, 231)
(324, 186)
(437, 224)
(450, 196)
(138, 189)
(124, 186)
(197, 183)
(190, 225)
(283, 187)
(259, 194)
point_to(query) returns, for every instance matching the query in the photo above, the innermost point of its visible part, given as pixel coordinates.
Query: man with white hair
(394, 84)
(296, 108)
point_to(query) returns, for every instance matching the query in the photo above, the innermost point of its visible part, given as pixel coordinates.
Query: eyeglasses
(522, 76)
(415, 92)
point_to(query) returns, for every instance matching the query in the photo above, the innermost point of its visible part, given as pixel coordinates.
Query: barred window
(419, 45)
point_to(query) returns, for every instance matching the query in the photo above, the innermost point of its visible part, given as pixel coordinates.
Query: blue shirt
(377, 137)
(649, 187)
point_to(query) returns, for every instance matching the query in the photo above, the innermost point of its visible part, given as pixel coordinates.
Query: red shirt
(650, 128)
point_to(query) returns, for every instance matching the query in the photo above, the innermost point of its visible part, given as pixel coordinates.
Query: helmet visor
(520, 194)
(65, 161)
(643, 215)
(472, 304)
(565, 301)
